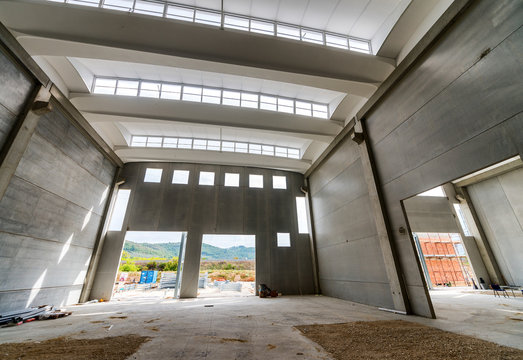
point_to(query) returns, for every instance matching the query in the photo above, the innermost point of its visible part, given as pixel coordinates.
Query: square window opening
(206, 178)
(232, 180)
(256, 181)
(283, 239)
(279, 182)
(153, 175)
(180, 177)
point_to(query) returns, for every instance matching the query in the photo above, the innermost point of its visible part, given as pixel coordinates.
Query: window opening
(153, 175)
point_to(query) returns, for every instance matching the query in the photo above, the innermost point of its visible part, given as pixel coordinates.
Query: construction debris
(264, 291)
(44, 312)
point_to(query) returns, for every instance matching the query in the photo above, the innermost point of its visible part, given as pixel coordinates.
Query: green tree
(171, 265)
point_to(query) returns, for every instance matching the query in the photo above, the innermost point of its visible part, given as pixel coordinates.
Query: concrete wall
(457, 110)
(15, 88)
(52, 209)
(430, 214)
(499, 204)
(350, 262)
(216, 210)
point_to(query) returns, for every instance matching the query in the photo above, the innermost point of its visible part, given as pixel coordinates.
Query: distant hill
(169, 250)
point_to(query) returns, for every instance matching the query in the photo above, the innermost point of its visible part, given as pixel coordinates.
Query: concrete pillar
(99, 246)
(21, 135)
(191, 268)
(107, 267)
(469, 242)
(312, 239)
(397, 286)
(491, 265)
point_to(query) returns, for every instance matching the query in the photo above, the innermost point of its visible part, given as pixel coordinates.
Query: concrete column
(477, 232)
(99, 245)
(191, 267)
(399, 293)
(312, 238)
(469, 243)
(21, 135)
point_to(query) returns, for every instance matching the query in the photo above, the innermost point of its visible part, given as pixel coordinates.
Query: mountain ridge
(170, 250)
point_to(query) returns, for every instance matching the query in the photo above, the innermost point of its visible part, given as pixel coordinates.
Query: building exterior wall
(350, 262)
(52, 209)
(499, 204)
(216, 209)
(457, 110)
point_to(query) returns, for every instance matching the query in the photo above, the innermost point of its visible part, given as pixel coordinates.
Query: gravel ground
(110, 348)
(397, 339)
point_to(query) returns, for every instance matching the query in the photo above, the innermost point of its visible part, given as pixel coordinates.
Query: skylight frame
(231, 146)
(202, 94)
(199, 15)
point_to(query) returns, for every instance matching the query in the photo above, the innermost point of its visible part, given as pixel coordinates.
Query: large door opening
(227, 266)
(443, 259)
(150, 265)
(466, 234)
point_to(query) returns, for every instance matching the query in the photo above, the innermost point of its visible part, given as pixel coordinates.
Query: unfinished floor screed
(254, 328)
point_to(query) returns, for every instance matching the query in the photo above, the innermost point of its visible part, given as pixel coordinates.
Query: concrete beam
(124, 30)
(133, 154)
(206, 114)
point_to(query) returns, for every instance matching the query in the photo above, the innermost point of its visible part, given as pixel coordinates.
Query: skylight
(196, 93)
(169, 10)
(214, 145)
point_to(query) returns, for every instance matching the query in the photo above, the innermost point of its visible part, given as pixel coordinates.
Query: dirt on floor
(110, 348)
(397, 339)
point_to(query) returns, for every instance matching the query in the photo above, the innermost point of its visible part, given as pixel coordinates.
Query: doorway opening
(151, 264)
(227, 266)
(443, 259)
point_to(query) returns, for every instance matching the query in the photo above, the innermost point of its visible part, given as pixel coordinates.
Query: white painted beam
(129, 154)
(137, 109)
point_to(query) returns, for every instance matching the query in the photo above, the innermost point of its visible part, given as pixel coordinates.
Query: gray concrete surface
(16, 88)
(254, 328)
(430, 214)
(350, 261)
(217, 210)
(499, 204)
(433, 126)
(50, 216)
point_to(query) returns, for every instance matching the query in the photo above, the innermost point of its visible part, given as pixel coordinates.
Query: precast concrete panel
(499, 204)
(456, 111)
(202, 209)
(14, 92)
(350, 261)
(50, 216)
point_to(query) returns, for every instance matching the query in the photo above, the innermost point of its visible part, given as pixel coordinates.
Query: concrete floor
(254, 328)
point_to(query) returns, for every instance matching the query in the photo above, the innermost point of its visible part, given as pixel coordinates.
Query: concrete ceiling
(74, 43)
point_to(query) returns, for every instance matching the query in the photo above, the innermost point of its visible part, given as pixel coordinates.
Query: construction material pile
(18, 317)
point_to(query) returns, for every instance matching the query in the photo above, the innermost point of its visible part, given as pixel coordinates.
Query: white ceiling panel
(318, 13)
(371, 19)
(345, 16)
(237, 6)
(265, 9)
(208, 4)
(291, 11)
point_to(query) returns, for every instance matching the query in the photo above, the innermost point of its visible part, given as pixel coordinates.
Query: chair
(496, 288)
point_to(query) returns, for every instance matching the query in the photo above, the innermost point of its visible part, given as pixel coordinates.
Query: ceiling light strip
(203, 94)
(214, 145)
(170, 10)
